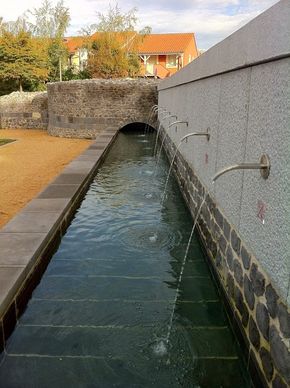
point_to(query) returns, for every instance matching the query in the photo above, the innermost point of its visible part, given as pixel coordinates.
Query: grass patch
(5, 141)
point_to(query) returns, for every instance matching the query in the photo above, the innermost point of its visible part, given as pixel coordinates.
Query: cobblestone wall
(84, 108)
(24, 110)
(257, 309)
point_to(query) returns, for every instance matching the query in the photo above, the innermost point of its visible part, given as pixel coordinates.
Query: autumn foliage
(109, 59)
(22, 58)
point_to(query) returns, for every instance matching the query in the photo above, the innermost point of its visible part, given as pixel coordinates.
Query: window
(171, 61)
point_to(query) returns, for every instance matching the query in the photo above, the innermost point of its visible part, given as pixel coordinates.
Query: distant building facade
(161, 55)
(164, 54)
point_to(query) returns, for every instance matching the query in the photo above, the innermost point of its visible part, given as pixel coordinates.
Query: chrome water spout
(264, 166)
(175, 154)
(176, 123)
(169, 116)
(206, 134)
(151, 115)
(157, 108)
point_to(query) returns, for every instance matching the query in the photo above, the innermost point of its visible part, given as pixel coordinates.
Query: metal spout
(178, 122)
(157, 108)
(264, 166)
(206, 134)
(168, 117)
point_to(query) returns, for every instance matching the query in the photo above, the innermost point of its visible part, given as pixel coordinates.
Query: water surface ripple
(101, 312)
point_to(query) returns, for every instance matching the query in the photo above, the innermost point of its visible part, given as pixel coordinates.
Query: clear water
(100, 315)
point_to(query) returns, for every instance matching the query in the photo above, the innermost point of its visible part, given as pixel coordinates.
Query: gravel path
(29, 164)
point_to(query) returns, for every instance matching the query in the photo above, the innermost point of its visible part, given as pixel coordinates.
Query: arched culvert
(137, 127)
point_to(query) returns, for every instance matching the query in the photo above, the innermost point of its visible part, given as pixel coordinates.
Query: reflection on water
(100, 316)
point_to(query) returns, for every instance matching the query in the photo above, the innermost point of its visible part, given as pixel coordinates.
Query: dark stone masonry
(24, 110)
(256, 308)
(85, 108)
(80, 109)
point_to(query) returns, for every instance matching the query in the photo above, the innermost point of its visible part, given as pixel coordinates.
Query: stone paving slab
(79, 167)
(82, 164)
(95, 146)
(10, 281)
(59, 191)
(17, 249)
(93, 152)
(47, 204)
(86, 158)
(31, 222)
(70, 179)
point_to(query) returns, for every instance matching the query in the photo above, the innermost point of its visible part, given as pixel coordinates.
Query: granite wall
(259, 314)
(84, 108)
(24, 110)
(240, 91)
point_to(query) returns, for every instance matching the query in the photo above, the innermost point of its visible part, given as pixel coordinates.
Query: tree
(116, 21)
(107, 59)
(22, 58)
(113, 51)
(50, 23)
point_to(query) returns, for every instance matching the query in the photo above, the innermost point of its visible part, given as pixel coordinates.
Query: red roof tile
(73, 43)
(165, 43)
(152, 43)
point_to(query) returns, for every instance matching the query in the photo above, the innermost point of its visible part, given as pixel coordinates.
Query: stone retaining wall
(84, 108)
(239, 91)
(24, 110)
(261, 315)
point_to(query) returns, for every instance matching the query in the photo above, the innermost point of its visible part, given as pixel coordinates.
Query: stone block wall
(24, 110)
(259, 313)
(84, 108)
(239, 90)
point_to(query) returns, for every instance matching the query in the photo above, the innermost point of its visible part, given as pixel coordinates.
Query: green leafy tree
(50, 23)
(113, 51)
(70, 74)
(22, 58)
(47, 24)
(107, 59)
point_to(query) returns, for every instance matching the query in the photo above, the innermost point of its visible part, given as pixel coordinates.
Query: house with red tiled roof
(164, 54)
(78, 54)
(161, 55)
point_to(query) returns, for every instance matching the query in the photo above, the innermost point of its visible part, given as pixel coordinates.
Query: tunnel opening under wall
(137, 126)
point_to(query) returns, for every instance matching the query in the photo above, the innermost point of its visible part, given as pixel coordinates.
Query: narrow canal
(101, 312)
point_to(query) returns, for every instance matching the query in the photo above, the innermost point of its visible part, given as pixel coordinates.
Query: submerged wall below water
(240, 90)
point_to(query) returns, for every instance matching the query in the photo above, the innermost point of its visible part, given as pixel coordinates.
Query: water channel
(106, 298)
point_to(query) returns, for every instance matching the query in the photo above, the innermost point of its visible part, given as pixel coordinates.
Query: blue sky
(211, 20)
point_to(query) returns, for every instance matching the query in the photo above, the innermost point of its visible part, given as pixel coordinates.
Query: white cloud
(211, 20)
(11, 9)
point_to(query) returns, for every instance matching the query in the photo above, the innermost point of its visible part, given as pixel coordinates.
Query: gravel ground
(29, 164)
